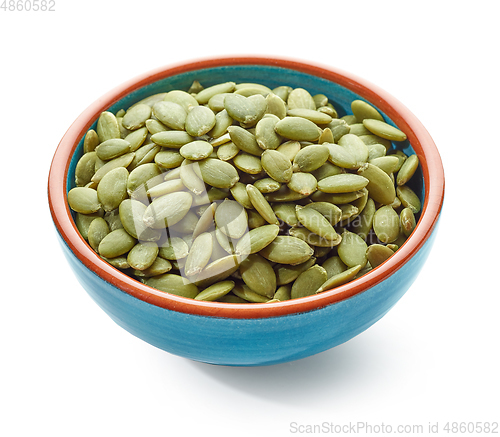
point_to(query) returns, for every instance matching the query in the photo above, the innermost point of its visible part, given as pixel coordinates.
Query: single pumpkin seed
(182, 98)
(265, 135)
(217, 173)
(120, 262)
(136, 116)
(287, 250)
(112, 189)
(376, 151)
(84, 200)
(341, 157)
(275, 106)
(267, 185)
(112, 148)
(313, 239)
(283, 293)
(142, 255)
(190, 177)
(206, 222)
(286, 274)
(227, 151)
(362, 110)
(173, 284)
(247, 294)
(159, 267)
(85, 169)
(311, 158)
(387, 163)
(131, 214)
(377, 254)
(303, 183)
(340, 278)
(328, 210)
(258, 275)
(277, 166)
(375, 139)
(284, 194)
(218, 270)
(408, 222)
(289, 149)
(144, 155)
(136, 138)
(309, 282)
(173, 139)
(300, 98)
(196, 150)
(170, 114)
(342, 183)
(356, 147)
(206, 94)
(261, 204)
(286, 213)
(174, 248)
(116, 243)
(326, 136)
(256, 239)
(298, 128)
(386, 224)
(121, 161)
(107, 127)
(409, 198)
(339, 128)
(407, 169)
(167, 210)
(83, 221)
(222, 122)
(316, 222)
(333, 266)
(380, 185)
(97, 230)
(142, 178)
(91, 141)
(352, 250)
(244, 140)
(215, 291)
(384, 130)
(231, 218)
(165, 188)
(310, 114)
(248, 163)
(199, 121)
(168, 159)
(199, 254)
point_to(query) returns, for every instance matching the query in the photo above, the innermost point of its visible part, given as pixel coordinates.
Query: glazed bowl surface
(250, 334)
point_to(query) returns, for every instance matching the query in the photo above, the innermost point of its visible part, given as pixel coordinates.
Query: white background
(67, 370)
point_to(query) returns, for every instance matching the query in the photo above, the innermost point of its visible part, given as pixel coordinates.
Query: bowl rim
(419, 138)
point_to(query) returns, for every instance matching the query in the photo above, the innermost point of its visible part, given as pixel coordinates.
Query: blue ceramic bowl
(250, 334)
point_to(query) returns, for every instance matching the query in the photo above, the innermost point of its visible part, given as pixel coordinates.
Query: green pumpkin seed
(386, 224)
(247, 294)
(136, 116)
(298, 128)
(85, 169)
(142, 255)
(196, 150)
(340, 278)
(408, 222)
(261, 204)
(218, 270)
(284, 194)
(289, 149)
(341, 157)
(206, 222)
(277, 166)
(182, 98)
(310, 114)
(119, 262)
(167, 210)
(222, 122)
(316, 222)
(303, 183)
(215, 291)
(359, 129)
(377, 254)
(267, 185)
(131, 213)
(409, 198)
(256, 239)
(227, 151)
(265, 135)
(219, 174)
(287, 250)
(239, 192)
(362, 110)
(142, 178)
(339, 128)
(248, 163)
(241, 108)
(84, 200)
(97, 230)
(349, 119)
(356, 147)
(199, 254)
(258, 275)
(327, 169)
(244, 140)
(364, 222)
(309, 282)
(337, 199)
(328, 210)
(107, 127)
(231, 218)
(311, 158)
(387, 163)
(342, 183)
(380, 185)
(352, 250)
(300, 98)
(326, 136)
(165, 188)
(173, 284)
(170, 114)
(159, 267)
(136, 138)
(275, 106)
(206, 94)
(283, 293)
(374, 139)
(384, 130)
(376, 151)
(172, 139)
(116, 243)
(199, 121)
(407, 169)
(121, 161)
(286, 213)
(112, 148)
(83, 222)
(91, 141)
(168, 159)
(286, 274)
(174, 248)
(112, 189)
(334, 266)
(144, 155)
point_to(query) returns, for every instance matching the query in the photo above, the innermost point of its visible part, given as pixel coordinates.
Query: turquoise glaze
(247, 341)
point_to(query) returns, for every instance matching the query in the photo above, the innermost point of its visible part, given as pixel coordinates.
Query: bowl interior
(316, 80)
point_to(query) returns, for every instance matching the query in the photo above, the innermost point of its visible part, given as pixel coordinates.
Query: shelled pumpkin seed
(240, 193)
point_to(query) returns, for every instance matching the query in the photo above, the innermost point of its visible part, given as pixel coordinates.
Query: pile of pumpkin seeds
(239, 193)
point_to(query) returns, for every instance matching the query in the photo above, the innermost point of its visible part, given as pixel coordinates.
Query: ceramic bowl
(249, 334)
